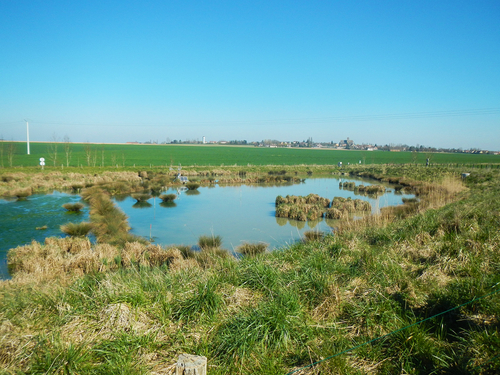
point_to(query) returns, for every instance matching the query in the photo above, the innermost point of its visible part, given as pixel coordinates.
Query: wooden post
(188, 364)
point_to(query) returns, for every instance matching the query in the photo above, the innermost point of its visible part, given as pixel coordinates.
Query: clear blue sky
(414, 72)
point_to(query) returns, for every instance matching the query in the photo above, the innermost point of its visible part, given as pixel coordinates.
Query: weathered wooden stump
(188, 364)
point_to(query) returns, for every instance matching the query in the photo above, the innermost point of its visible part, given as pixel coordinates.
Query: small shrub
(192, 185)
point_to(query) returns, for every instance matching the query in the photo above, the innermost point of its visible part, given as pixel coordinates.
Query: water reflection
(168, 204)
(240, 213)
(281, 221)
(142, 204)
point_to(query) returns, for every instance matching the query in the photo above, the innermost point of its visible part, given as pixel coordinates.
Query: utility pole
(27, 136)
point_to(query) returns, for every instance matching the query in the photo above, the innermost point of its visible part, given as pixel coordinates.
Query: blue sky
(411, 72)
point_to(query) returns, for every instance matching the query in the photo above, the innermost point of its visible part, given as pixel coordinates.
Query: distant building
(346, 143)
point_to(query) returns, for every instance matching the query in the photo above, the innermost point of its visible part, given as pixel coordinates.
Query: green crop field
(108, 155)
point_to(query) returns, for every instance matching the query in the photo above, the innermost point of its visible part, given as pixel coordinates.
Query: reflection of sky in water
(236, 213)
(19, 220)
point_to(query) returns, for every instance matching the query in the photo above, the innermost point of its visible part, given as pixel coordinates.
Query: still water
(236, 213)
(19, 220)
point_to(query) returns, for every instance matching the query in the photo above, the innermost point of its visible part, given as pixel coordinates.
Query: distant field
(208, 155)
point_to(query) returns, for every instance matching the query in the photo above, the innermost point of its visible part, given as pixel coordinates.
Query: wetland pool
(19, 220)
(242, 213)
(237, 213)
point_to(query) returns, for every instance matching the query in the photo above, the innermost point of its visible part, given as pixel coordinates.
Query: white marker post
(27, 137)
(42, 162)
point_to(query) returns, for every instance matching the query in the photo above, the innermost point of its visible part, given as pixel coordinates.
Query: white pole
(28, 136)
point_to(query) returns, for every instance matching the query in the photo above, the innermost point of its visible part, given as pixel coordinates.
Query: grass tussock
(141, 197)
(310, 207)
(167, 198)
(341, 208)
(73, 207)
(209, 242)
(77, 229)
(66, 258)
(192, 185)
(22, 193)
(313, 235)
(252, 249)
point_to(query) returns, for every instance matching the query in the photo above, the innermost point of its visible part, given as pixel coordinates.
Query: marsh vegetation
(418, 283)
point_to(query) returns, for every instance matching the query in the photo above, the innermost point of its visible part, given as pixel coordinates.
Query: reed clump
(209, 242)
(310, 207)
(341, 208)
(313, 235)
(22, 193)
(141, 197)
(192, 185)
(252, 249)
(73, 207)
(77, 229)
(64, 258)
(166, 198)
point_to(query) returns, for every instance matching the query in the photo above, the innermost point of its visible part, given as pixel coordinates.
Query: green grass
(119, 156)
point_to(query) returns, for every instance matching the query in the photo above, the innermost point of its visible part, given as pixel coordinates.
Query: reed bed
(313, 207)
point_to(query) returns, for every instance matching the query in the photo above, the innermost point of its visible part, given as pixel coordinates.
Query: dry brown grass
(64, 259)
(49, 181)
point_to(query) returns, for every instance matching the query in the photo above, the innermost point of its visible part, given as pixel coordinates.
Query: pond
(236, 213)
(19, 220)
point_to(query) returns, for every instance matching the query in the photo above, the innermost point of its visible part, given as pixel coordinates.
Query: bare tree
(1, 150)
(67, 149)
(414, 157)
(102, 156)
(113, 159)
(88, 153)
(94, 158)
(11, 150)
(52, 149)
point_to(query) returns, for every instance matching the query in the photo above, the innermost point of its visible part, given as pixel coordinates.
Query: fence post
(188, 364)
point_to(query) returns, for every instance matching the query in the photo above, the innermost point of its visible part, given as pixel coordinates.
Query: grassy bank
(133, 308)
(25, 181)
